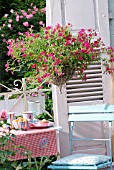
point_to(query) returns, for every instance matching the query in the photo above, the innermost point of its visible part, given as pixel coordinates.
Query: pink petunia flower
(9, 25)
(21, 16)
(26, 24)
(12, 11)
(29, 16)
(6, 15)
(10, 20)
(17, 18)
(41, 23)
(43, 10)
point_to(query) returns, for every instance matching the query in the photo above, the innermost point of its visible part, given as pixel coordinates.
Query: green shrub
(10, 27)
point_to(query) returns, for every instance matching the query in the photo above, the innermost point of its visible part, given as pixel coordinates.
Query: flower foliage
(18, 18)
(48, 54)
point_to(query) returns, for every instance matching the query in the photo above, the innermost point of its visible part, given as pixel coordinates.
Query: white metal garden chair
(96, 113)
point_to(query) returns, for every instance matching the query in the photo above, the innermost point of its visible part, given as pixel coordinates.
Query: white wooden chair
(96, 113)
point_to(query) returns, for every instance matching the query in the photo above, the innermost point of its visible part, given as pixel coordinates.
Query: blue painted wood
(91, 117)
(91, 109)
(96, 113)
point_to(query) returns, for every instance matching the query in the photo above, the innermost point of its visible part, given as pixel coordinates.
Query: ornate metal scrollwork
(18, 83)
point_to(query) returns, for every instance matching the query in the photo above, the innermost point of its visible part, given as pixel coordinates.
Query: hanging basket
(68, 73)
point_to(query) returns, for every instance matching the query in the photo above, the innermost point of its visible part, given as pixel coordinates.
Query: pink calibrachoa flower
(33, 66)
(10, 52)
(56, 70)
(16, 45)
(7, 65)
(31, 54)
(51, 55)
(92, 57)
(7, 70)
(48, 28)
(34, 94)
(24, 55)
(84, 77)
(80, 58)
(39, 79)
(46, 37)
(43, 53)
(22, 43)
(23, 50)
(89, 30)
(45, 60)
(40, 87)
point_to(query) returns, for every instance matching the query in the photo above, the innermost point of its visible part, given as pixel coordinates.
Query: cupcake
(44, 122)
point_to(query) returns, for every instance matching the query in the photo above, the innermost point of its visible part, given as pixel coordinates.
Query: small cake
(44, 122)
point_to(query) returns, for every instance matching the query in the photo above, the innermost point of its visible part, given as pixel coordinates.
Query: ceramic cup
(11, 116)
(28, 115)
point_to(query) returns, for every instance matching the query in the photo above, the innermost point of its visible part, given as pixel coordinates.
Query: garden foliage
(13, 15)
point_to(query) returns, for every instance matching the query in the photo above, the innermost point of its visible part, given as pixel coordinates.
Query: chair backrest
(105, 108)
(92, 113)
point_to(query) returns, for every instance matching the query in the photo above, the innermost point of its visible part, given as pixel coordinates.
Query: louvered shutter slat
(88, 85)
(89, 90)
(88, 93)
(70, 91)
(83, 99)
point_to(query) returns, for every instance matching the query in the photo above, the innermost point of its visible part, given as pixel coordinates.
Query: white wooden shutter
(97, 89)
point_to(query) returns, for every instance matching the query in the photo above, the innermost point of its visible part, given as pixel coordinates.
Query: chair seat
(82, 160)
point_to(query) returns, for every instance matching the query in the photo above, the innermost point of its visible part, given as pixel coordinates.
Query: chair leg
(111, 167)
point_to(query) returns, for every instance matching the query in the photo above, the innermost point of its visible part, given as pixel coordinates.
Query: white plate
(40, 125)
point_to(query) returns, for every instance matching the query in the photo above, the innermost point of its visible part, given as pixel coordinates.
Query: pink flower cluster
(3, 115)
(21, 17)
(47, 53)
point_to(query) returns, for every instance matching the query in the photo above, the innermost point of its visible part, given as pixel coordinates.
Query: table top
(33, 130)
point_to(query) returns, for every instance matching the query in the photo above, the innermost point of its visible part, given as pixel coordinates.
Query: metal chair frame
(92, 113)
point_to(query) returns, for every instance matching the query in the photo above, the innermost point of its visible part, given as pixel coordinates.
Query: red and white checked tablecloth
(42, 142)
